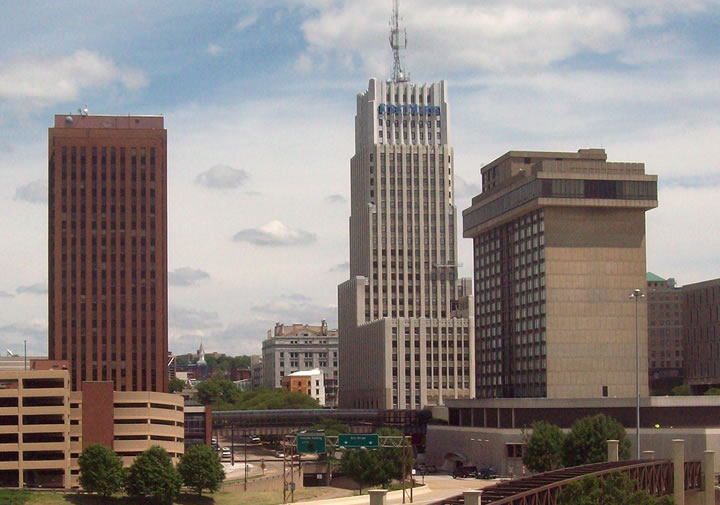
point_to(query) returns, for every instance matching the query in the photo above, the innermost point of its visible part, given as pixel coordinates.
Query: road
(438, 488)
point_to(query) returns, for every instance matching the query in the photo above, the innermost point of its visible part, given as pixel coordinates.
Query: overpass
(284, 421)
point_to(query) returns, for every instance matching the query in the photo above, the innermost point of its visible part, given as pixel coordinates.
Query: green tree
(153, 476)
(544, 447)
(616, 489)
(587, 440)
(223, 395)
(377, 467)
(331, 427)
(362, 466)
(200, 469)
(217, 391)
(712, 392)
(101, 470)
(682, 390)
(176, 385)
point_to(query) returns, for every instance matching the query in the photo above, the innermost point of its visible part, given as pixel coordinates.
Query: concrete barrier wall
(269, 483)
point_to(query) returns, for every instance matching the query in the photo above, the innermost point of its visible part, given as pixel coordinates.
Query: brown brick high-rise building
(108, 249)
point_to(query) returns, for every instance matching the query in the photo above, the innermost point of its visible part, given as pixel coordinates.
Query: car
(487, 472)
(226, 453)
(256, 439)
(430, 468)
(279, 454)
(465, 471)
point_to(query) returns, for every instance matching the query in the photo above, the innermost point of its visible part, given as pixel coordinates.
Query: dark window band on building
(563, 188)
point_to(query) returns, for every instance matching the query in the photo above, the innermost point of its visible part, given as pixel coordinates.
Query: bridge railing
(653, 476)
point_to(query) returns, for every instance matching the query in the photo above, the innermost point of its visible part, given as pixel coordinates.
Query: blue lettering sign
(423, 110)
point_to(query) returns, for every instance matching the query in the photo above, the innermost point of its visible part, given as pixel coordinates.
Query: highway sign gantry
(352, 441)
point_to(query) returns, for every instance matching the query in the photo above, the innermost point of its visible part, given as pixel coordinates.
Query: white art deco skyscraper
(406, 336)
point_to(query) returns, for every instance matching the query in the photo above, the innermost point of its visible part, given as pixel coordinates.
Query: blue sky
(259, 97)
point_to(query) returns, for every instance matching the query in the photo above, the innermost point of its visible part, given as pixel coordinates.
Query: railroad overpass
(284, 421)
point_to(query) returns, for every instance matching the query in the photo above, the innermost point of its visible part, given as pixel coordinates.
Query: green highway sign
(357, 441)
(311, 444)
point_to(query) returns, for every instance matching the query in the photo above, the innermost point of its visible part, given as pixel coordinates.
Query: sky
(259, 102)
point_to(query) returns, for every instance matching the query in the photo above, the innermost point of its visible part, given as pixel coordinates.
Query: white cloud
(39, 288)
(222, 177)
(186, 276)
(192, 319)
(214, 49)
(505, 35)
(33, 192)
(246, 22)
(341, 267)
(464, 189)
(45, 81)
(274, 233)
(335, 198)
(296, 308)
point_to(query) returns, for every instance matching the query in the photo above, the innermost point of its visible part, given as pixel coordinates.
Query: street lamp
(637, 294)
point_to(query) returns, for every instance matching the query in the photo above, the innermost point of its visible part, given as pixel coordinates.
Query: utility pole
(636, 294)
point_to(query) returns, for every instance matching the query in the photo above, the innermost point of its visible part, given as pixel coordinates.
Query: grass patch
(218, 498)
(14, 497)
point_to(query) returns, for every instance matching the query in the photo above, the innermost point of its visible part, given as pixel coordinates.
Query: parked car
(226, 453)
(279, 454)
(465, 471)
(487, 472)
(430, 468)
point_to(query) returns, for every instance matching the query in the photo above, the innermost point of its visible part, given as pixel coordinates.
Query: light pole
(637, 294)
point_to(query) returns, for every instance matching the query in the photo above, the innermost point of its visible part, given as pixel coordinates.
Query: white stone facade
(407, 334)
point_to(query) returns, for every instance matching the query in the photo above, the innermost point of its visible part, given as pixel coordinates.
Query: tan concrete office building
(406, 335)
(44, 426)
(34, 428)
(559, 244)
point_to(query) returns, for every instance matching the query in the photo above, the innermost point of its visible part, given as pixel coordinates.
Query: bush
(682, 390)
(153, 476)
(101, 470)
(544, 447)
(616, 489)
(200, 469)
(587, 440)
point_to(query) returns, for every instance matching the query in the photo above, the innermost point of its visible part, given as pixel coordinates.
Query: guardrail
(653, 476)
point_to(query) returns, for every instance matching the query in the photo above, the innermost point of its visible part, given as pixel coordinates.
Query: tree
(176, 385)
(712, 392)
(682, 390)
(101, 470)
(362, 466)
(377, 467)
(616, 489)
(224, 395)
(544, 447)
(587, 440)
(331, 427)
(153, 476)
(217, 391)
(200, 469)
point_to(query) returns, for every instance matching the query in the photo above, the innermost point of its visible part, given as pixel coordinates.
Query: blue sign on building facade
(412, 109)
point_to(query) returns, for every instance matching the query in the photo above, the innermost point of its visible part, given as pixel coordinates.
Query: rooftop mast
(398, 40)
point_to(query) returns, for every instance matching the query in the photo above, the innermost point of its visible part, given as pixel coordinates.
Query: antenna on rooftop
(398, 41)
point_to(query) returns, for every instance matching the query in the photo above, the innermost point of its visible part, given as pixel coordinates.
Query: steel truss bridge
(653, 476)
(282, 422)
